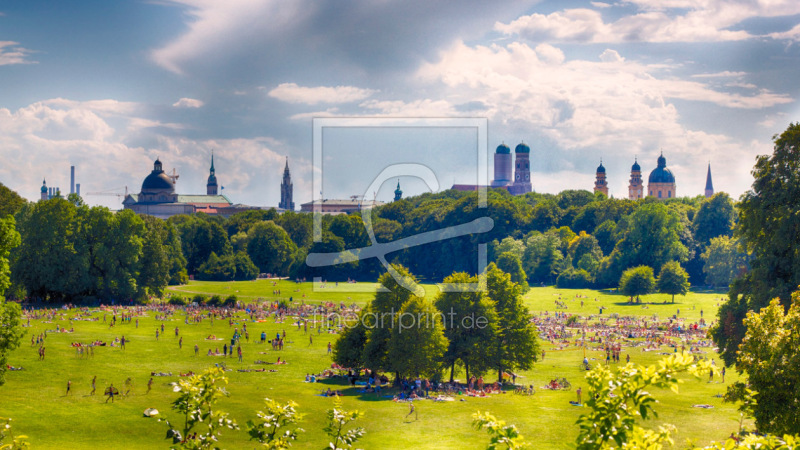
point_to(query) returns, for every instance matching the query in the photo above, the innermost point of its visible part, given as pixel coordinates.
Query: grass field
(35, 397)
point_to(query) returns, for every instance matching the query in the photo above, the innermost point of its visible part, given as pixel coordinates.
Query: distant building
(600, 183)
(661, 183)
(46, 193)
(398, 194)
(159, 199)
(287, 188)
(636, 186)
(709, 186)
(339, 206)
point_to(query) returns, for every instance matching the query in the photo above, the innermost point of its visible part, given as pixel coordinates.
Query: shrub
(574, 279)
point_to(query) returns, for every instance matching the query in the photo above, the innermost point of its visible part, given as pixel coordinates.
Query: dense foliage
(769, 229)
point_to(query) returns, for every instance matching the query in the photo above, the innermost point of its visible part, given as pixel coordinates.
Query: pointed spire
(212, 160)
(709, 184)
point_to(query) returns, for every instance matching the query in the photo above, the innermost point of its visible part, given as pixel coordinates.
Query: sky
(111, 86)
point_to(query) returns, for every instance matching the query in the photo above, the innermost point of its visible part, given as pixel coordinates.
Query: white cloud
(12, 53)
(188, 103)
(615, 108)
(656, 21)
(292, 93)
(723, 74)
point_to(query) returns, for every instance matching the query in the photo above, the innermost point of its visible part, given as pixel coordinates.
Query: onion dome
(503, 149)
(522, 148)
(635, 167)
(600, 168)
(44, 187)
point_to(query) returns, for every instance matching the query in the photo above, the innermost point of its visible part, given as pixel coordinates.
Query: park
(36, 395)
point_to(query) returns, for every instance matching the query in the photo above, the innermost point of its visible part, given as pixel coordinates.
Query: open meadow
(36, 396)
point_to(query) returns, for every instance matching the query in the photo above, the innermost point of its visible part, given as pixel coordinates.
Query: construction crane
(111, 192)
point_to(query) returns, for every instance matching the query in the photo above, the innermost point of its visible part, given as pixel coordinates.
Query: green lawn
(36, 399)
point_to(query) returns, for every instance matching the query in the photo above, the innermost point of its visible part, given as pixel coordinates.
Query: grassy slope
(35, 397)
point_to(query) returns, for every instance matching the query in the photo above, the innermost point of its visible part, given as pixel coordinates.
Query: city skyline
(108, 88)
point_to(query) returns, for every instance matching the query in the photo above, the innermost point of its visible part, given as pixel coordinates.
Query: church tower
(522, 170)
(709, 185)
(661, 183)
(636, 187)
(211, 187)
(286, 202)
(44, 190)
(398, 194)
(600, 184)
(502, 166)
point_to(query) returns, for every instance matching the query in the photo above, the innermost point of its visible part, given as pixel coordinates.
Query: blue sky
(110, 86)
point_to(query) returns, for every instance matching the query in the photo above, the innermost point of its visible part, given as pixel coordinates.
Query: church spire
(211, 186)
(709, 185)
(398, 194)
(287, 188)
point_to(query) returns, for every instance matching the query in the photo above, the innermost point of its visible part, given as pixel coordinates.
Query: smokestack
(71, 179)
(78, 189)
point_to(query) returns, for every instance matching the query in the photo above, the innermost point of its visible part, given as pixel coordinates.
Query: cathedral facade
(521, 181)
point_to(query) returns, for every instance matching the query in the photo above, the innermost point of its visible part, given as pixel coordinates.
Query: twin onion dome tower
(520, 183)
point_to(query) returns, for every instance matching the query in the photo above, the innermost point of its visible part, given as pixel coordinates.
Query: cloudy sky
(110, 86)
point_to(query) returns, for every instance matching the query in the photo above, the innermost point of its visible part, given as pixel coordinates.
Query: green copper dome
(661, 174)
(503, 149)
(522, 148)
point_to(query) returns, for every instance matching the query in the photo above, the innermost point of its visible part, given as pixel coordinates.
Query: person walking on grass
(149, 385)
(412, 410)
(69, 387)
(310, 339)
(579, 395)
(110, 392)
(94, 385)
(180, 343)
(196, 350)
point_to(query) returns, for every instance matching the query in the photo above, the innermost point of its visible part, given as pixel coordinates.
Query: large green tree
(714, 218)
(769, 228)
(10, 201)
(470, 324)
(517, 345)
(652, 238)
(270, 248)
(10, 313)
(511, 264)
(417, 341)
(637, 281)
(672, 280)
(723, 262)
(770, 356)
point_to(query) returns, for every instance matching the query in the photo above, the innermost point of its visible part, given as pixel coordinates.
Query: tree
(511, 264)
(272, 427)
(154, 263)
(10, 201)
(517, 345)
(542, 260)
(672, 280)
(769, 228)
(348, 350)
(380, 317)
(270, 248)
(502, 434)
(614, 421)
(574, 279)
(417, 341)
(10, 314)
(470, 324)
(652, 238)
(723, 262)
(198, 395)
(714, 218)
(770, 357)
(637, 281)
(338, 420)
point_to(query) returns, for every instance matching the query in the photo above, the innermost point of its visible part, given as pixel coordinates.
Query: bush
(199, 299)
(230, 300)
(215, 300)
(177, 300)
(574, 279)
